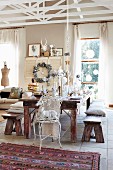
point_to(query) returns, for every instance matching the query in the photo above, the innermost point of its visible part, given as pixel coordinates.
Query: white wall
(22, 55)
(54, 33)
(89, 30)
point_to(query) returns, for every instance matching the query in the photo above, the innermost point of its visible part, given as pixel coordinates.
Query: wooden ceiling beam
(59, 15)
(7, 2)
(58, 7)
(58, 21)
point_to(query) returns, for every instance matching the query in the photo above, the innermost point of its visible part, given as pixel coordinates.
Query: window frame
(89, 61)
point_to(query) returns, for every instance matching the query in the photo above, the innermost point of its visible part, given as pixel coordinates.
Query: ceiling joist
(32, 12)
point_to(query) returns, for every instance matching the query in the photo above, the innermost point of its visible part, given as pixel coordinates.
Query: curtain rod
(91, 22)
(11, 28)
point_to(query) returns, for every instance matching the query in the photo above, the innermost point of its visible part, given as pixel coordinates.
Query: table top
(70, 99)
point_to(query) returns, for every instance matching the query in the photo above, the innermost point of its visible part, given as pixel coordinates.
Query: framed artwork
(59, 51)
(34, 50)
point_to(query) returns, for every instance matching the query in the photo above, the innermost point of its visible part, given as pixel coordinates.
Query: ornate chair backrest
(50, 107)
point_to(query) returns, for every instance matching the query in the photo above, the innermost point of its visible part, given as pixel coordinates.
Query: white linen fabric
(17, 105)
(13, 48)
(76, 59)
(103, 67)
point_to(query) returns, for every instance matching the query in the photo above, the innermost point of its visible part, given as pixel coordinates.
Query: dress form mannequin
(5, 72)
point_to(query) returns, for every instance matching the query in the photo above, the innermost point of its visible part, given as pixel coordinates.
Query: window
(90, 62)
(8, 54)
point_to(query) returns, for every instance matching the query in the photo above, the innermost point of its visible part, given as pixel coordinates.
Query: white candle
(5, 63)
(67, 65)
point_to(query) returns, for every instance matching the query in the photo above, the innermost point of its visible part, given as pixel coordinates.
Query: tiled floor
(105, 149)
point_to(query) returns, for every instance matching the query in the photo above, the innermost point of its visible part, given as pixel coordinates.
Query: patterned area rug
(22, 157)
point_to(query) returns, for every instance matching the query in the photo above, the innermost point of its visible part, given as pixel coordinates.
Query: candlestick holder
(67, 62)
(51, 49)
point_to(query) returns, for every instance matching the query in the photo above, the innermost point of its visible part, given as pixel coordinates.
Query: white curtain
(76, 60)
(103, 61)
(22, 55)
(10, 43)
(9, 53)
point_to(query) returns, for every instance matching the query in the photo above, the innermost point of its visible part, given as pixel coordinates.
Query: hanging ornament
(89, 66)
(90, 53)
(95, 72)
(88, 77)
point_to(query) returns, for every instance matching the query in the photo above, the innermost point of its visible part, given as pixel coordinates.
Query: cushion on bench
(17, 105)
(15, 111)
(92, 119)
(96, 112)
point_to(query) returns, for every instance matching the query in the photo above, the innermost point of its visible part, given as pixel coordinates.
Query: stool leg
(18, 127)
(98, 133)
(87, 133)
(9, 127)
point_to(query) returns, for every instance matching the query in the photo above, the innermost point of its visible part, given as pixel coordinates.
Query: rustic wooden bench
(90, 123)
(13, 119)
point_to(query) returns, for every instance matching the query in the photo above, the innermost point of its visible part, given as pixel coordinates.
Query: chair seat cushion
(96, 112)
(46, 115)
(5, 100)
(92, 119)
(18, 104)
(10, 100)
(2, 100)
(15, 111)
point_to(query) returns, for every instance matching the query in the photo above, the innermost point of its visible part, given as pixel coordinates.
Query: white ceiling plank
(27, 13)
(58, 14)
(57, 21)
(30, 4)
(71, 6)
(18, 7)
(107, 6)
(10, 2)
(55, 5)
(33, 12)
(43, 12)
(58, 3)
(2, 7)
(78, 9)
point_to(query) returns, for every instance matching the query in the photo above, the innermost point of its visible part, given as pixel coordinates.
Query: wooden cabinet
(30, 62)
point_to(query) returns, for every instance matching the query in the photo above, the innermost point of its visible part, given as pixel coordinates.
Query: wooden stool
(90, 123)
(13, 118)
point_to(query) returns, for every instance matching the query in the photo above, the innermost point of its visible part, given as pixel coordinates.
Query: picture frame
(34, 50)
(59, 51)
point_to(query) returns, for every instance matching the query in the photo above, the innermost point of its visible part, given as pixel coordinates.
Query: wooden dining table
(67, 104)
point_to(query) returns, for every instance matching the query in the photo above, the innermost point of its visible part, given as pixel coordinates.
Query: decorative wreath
(36, 69)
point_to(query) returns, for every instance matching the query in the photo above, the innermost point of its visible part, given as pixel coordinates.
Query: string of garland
(36, 69)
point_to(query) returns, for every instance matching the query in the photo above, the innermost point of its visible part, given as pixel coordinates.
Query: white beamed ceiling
(15, 13)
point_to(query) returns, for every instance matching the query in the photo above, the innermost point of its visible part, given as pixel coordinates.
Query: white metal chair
(47, 118)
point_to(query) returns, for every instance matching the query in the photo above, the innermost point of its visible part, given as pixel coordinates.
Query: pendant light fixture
(67, 31)
(67, 53)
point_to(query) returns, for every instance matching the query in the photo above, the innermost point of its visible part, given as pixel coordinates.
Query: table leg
(27, 122)
(73, 125)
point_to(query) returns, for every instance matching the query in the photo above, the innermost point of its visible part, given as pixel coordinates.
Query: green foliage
(88, 69)
(90, 45)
